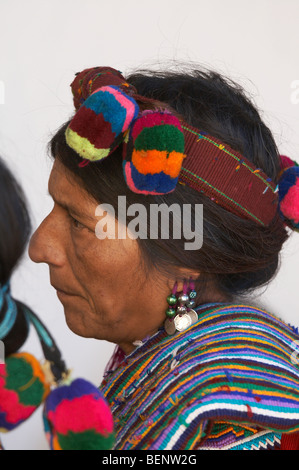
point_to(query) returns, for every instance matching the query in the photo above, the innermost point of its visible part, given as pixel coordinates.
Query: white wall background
(44, 42)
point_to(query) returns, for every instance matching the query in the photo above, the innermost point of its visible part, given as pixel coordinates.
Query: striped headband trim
(227, 177)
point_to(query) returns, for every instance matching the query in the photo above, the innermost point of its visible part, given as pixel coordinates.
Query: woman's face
(101, 284)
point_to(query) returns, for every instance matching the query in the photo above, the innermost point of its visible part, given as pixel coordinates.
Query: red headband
(227, 177)
(160, 151)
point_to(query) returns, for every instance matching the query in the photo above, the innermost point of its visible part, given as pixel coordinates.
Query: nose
(46, 244)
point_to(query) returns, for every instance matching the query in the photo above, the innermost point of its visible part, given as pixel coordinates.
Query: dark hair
(15, 228)
(237, 255)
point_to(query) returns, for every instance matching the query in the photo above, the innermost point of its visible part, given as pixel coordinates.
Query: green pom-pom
(88, 440)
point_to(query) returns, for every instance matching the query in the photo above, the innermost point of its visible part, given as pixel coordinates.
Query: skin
(101, 284)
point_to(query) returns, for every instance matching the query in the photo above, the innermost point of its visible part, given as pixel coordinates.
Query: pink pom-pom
(288, 193)
(289, 206)
(23, 388)
(77, 417)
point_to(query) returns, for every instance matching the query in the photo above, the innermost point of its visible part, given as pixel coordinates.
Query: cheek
(108, 269)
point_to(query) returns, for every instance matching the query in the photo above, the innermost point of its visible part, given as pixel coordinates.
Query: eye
(75, 223)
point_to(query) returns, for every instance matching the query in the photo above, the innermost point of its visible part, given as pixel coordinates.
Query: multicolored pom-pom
(154, 153)
(89, 80)
(77, 417)
(108, 115)
(22, 389)
(288, 192)
(100, 124)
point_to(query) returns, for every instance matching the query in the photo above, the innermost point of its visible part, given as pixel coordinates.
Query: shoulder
(236, 364)
(247, 342)
(248, 314)
(232, 325)
(245, 368)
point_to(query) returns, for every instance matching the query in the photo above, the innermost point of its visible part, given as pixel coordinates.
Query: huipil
(230, 381)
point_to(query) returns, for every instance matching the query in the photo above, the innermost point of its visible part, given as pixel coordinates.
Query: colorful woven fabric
(237, 364)
(227, 177)
(89, 80)
(230, 436)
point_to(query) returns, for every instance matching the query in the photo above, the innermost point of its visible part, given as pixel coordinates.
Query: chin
(74, 317)
(75, 324)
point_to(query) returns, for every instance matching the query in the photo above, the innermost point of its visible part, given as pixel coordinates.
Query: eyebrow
(70, 208)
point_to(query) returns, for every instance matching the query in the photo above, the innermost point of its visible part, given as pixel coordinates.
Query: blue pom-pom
(288, 196)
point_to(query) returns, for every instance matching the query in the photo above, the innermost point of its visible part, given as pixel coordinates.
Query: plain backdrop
(44, 42)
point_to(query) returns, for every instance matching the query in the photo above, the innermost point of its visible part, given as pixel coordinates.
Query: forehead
(66, 190)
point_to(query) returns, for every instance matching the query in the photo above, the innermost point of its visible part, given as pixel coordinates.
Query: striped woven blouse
(230, 381)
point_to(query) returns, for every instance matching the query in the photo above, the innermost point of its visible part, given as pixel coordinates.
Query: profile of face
(102, 284)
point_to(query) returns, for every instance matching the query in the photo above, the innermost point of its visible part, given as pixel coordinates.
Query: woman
(25, 383)
(15, 228)
(22, 386)
(16, 317)
(194, 368)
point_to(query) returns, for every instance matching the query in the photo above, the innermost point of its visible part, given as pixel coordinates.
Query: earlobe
(180, 314)
(183, 275)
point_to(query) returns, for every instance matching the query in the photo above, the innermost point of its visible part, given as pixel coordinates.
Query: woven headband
(160, 150)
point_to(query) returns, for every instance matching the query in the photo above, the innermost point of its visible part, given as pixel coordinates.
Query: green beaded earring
(172, 301)
(180, 313)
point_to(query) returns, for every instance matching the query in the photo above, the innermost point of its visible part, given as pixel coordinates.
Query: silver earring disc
(194, 316)
(170, 326)
(182, 322)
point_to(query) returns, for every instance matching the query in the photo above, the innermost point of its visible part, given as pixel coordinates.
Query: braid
(13, 322)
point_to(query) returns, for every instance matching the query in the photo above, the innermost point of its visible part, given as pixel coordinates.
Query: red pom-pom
(286, 162)
(23, 387)
(288, 185)
(77, 417)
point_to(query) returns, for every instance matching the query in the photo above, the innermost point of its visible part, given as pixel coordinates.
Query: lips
(62, 290)
(64, 293)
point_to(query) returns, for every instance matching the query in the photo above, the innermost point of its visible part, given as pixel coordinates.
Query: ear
(183, 275)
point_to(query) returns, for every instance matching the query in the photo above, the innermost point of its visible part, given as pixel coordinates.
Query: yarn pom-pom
(77, 417)
(154, 153)
(286, 162)
(100, 124)
(22, 389)
(89, 80)
(289, 195)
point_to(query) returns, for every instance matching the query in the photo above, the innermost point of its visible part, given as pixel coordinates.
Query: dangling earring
(180, 313)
